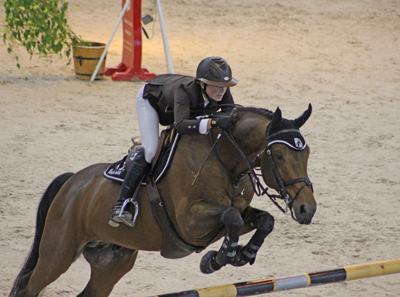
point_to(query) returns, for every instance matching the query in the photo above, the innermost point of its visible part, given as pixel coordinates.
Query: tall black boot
(132, 179)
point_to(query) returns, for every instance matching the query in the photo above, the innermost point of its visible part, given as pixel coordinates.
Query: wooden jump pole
(295, 281)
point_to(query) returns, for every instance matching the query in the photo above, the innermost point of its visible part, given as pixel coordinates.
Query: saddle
(166, 148)
(173, 246)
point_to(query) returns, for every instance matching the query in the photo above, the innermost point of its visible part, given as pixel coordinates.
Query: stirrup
(122, 218)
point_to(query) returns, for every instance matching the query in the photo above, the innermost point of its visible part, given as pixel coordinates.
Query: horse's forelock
(282, 125)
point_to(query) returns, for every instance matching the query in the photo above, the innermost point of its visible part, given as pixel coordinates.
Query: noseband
(284, 194)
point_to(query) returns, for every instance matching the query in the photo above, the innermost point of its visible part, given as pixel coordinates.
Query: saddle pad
(117, 170)
(165, 158)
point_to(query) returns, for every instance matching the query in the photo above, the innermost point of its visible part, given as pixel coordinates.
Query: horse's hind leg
(42, 265)
(51, 264)
(48, 268)
(109, 263)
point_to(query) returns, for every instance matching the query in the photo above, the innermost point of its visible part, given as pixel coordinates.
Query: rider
(168, 99)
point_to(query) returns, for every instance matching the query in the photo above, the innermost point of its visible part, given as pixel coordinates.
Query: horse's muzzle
(304, 212)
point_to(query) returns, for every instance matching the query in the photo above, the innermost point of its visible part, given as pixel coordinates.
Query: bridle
(284, 194)
(258, 187)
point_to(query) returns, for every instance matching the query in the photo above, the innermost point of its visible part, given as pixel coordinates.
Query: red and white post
(131, 66)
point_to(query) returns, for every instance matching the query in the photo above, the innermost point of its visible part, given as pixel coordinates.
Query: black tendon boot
(132, 179)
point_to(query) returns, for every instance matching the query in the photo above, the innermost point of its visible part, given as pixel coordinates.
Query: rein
(255, 181)
(257, 185)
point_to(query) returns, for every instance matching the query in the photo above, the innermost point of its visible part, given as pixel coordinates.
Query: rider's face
(215, 93)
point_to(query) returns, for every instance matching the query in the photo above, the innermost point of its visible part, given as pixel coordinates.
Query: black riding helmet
(215, 71)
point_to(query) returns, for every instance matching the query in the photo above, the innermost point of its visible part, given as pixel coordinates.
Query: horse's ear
(303, 118)
(277, 118)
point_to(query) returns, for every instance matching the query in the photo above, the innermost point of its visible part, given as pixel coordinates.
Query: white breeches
(148, 125)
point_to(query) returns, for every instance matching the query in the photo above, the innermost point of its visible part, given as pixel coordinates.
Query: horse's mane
(261, 111)
(226, 109)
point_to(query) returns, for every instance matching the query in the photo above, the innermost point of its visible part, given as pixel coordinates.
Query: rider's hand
(224, 123)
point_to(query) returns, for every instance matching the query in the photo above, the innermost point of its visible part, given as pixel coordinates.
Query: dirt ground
(341, 56)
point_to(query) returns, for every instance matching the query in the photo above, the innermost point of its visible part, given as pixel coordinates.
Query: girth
(173, 246)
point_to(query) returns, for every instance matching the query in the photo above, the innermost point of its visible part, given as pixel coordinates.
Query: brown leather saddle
(173, 246)
(165, 151)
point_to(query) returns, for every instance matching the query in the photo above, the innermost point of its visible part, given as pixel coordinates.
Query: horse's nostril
(303, 209)
(305, 213)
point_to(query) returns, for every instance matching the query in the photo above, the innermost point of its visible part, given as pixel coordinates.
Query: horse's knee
(233, 220)
(265, 222)
(264, 226)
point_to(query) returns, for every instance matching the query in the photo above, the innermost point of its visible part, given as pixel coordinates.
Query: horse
(206, 194)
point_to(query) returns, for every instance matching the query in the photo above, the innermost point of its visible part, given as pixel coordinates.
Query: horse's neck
(250, 139)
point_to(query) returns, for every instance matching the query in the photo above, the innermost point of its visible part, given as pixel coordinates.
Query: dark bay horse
(74, 212)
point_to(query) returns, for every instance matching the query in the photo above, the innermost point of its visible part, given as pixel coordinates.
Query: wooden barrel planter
(86, 58)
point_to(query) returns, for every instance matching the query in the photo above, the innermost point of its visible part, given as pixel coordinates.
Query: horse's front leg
(264, 224)
(214, 260)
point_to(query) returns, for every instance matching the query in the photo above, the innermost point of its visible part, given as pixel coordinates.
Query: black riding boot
(132, 179)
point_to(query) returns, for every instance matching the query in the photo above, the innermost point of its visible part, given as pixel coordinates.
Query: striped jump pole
(295, 281)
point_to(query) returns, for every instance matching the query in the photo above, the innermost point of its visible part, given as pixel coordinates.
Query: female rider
(174, 99)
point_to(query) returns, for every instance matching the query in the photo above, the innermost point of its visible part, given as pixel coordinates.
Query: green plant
(40, 26)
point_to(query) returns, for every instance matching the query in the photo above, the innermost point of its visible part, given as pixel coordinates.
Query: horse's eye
(279, 156)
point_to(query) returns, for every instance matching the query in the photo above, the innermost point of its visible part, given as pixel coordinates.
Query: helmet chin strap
(206, 95)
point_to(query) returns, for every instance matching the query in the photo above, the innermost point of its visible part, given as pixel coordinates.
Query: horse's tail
(24, 275)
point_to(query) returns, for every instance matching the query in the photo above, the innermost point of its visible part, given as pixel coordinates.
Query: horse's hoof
(241, 258)
(206, 266)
